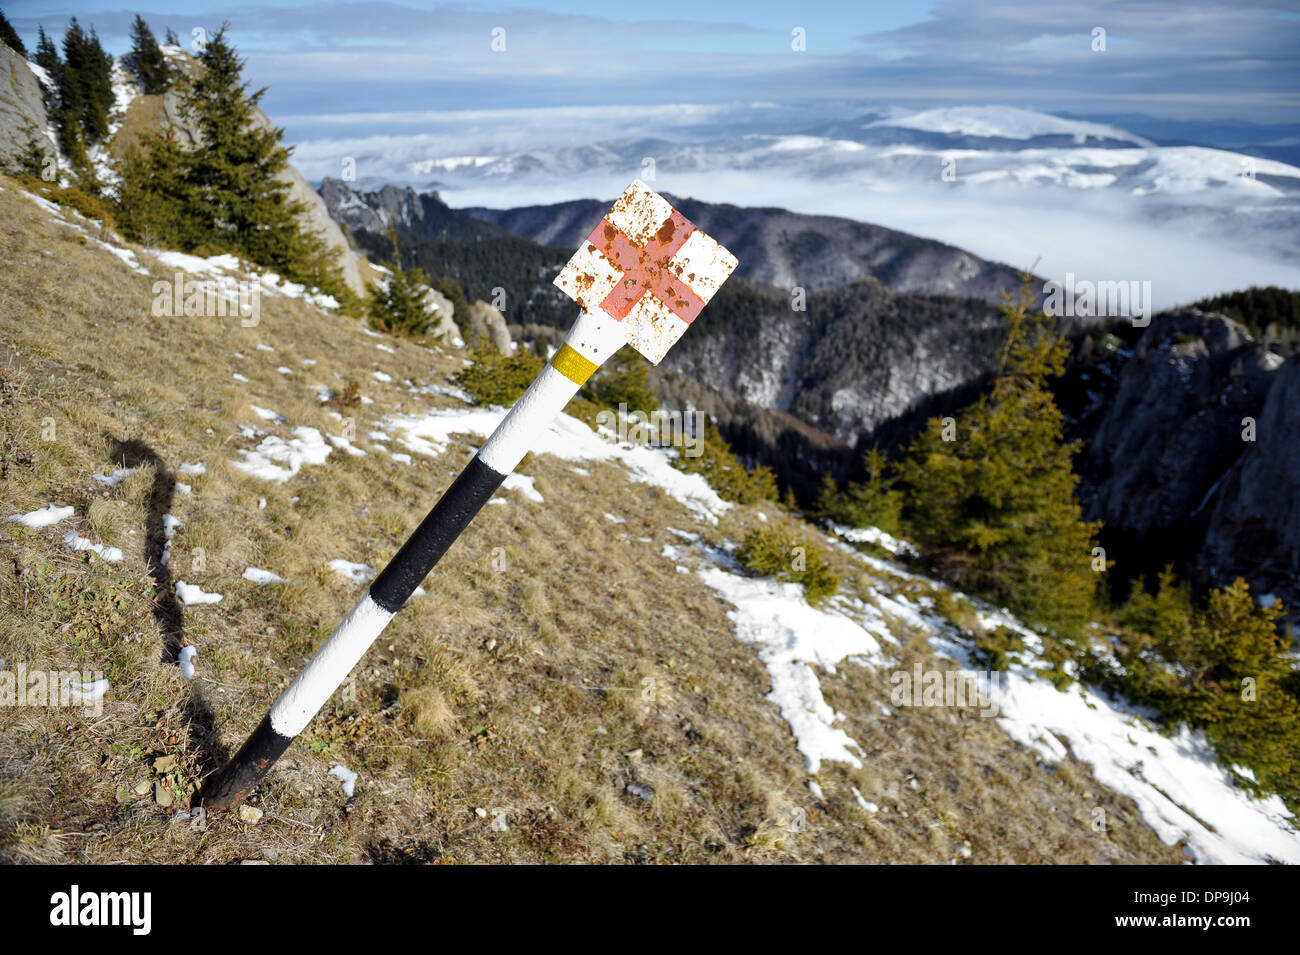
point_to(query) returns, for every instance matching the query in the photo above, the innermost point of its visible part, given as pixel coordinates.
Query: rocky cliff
(1189, 430)
(417, 216)
(22, 104)
(1254, 529)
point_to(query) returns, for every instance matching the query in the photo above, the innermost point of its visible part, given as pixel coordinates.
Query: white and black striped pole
(641, 278)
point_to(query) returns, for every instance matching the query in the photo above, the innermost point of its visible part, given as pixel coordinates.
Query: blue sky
(1189, 59)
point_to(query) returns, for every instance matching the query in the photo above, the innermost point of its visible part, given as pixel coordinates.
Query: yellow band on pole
(572, 365)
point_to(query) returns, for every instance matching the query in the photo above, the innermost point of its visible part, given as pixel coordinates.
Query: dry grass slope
(515, 685)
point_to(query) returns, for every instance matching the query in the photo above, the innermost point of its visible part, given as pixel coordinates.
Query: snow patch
(524, 485)
(50, 514)
(261, 577)
(77, 543)
(186, 662)
(347, 777)
(357, 573)
(307, 446)
(193, 595)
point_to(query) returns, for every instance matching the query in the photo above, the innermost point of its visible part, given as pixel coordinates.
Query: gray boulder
(22, 106)
(444, 329)
(488, 327)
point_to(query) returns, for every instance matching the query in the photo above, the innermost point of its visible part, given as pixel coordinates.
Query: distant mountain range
(895, 329)
(788, 249)
(1009, 185)
(775, 246)
(1279, 141)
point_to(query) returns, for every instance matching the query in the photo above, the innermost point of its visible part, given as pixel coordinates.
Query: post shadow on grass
(131, 453)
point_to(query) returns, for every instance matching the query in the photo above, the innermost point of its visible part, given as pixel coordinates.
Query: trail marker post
(640, 279)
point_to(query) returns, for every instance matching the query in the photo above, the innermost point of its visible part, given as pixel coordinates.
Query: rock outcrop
(416, 216)
(1191, 454)
(1254, 530)
(1173, 426)
(487, 327)
(22, 106)
(154, 113)
(444, 329)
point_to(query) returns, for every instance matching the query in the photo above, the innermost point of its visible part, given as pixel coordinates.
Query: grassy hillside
(570, 672)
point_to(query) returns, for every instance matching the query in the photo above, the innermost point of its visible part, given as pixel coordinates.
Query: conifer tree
(171, 38)
(33, 159)
(99, 84)
(874, 502)
(47, 56)
(233, 172)
(147, 59)
(10, 38)
(1245, 688)
(725, 472)
(84, 95)
(624, 380)
(399, 306)
(1222, 669)
(226, 194)
(993, 503)
(155, 197)
(85, 83)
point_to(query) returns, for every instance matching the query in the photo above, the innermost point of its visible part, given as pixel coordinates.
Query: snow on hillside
(125, 90)
(1180, 790)
(41, 74)
(226, 276)
(568, 439)
(985, 179)
(1004, 122)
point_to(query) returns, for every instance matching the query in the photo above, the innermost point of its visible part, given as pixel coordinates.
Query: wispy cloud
(1183, 58)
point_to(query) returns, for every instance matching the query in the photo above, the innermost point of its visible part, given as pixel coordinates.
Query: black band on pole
(390, 590)
(229, 787)
(438, 531)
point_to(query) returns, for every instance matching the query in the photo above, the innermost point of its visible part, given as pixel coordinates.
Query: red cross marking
(645, 268)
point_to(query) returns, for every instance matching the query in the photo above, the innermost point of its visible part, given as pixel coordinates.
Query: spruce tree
(80, 106)
(233, 171)
(85, 84)
(1244, 688)
(10, 38)
(991, 495)
(725, 472)
(226, 194)
(61, 102)
(233, 176)
(874, 502)
(625, 380)
(47, 56)
(156, 199)
(33, 159)
(1222, 669)
(99, 85)
(171, 38)
(147, 59)
(399, 306)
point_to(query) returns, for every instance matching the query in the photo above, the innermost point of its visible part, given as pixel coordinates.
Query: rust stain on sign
(647, 266)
